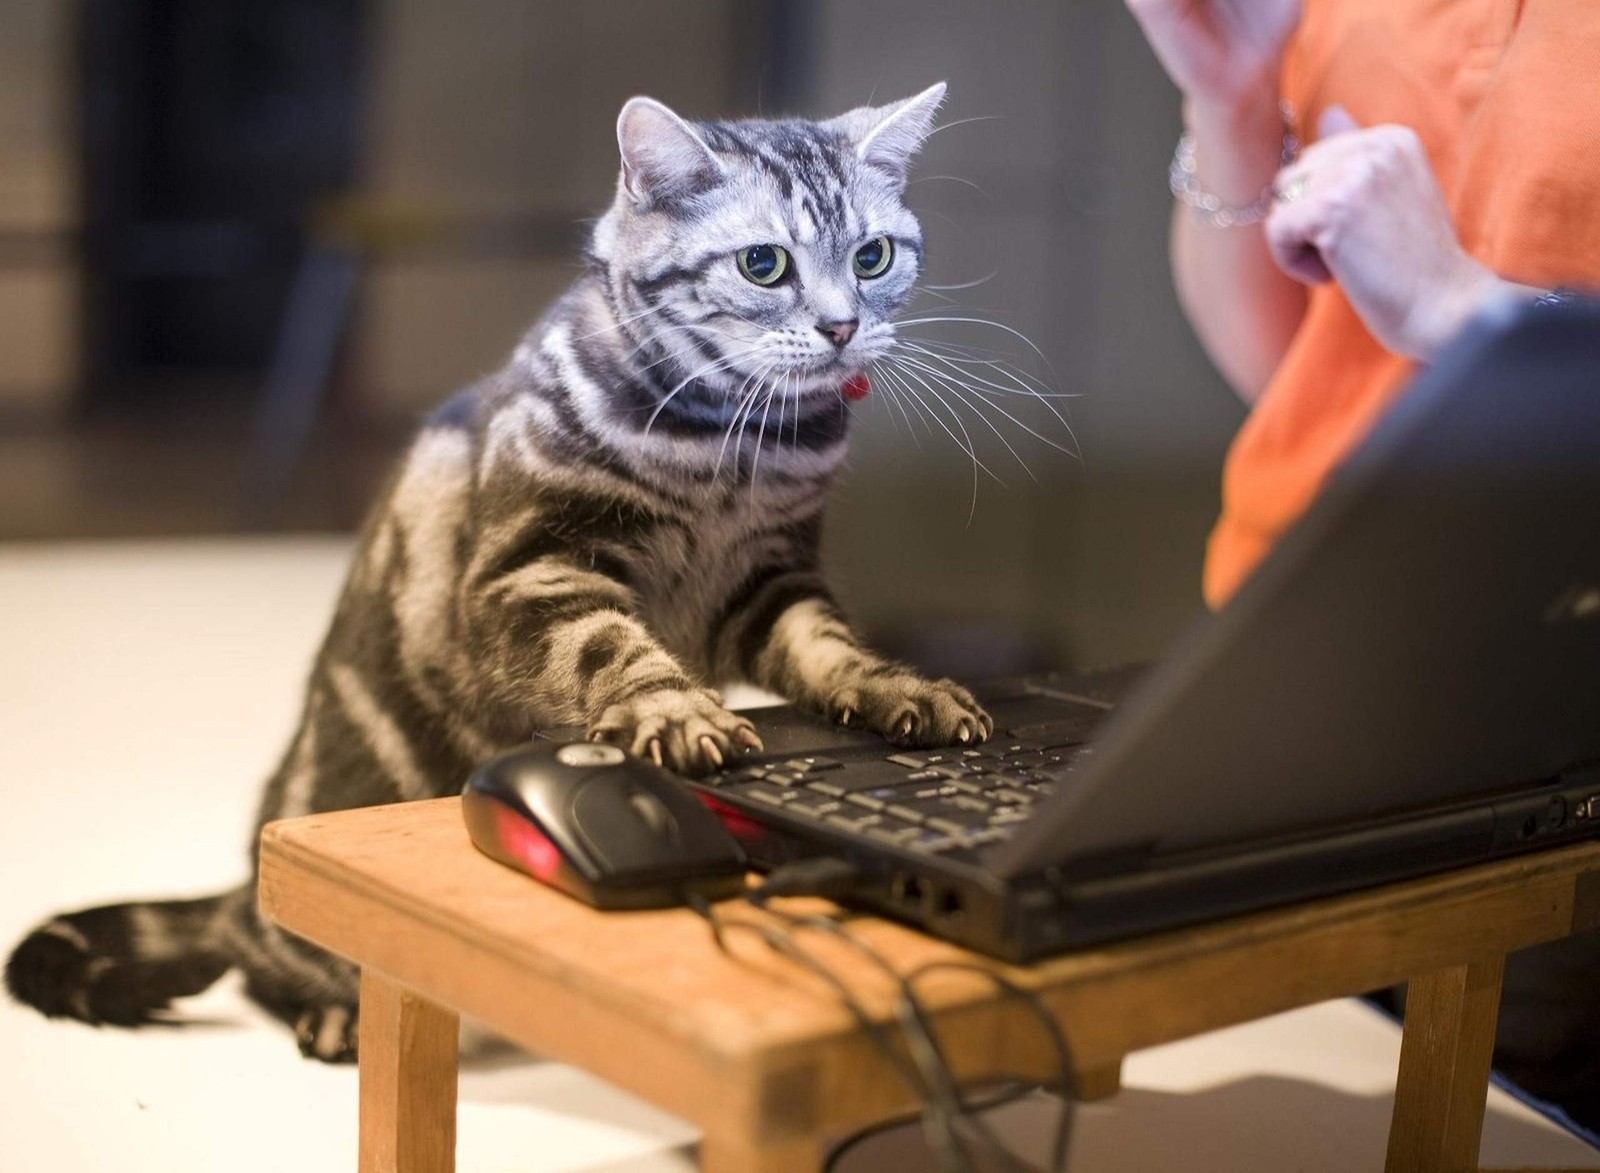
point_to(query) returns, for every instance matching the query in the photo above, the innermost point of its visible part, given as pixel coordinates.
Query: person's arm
(1242, 306)
(1225, 57)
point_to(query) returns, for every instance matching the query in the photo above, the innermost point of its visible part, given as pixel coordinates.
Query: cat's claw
(683, 729)
(911, 711)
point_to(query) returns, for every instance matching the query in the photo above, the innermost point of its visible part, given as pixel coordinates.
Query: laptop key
(922, 758)
(866, 798)
(1008, 795)
(1007, 815)
(891, 832)
(987, 836)
(814, 805)
(933, 842)
(771, 795)
(969, 787)
(812, 765)
(857, 821)
(954, 827)
(833, 790)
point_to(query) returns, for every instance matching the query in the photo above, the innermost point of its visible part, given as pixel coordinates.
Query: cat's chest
(685, 575)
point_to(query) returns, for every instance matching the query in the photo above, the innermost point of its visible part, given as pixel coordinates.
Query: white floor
(145, 691)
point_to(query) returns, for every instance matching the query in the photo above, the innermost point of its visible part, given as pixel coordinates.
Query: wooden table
(763, 1058)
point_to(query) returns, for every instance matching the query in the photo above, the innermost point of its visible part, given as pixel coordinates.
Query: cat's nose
(839, 333)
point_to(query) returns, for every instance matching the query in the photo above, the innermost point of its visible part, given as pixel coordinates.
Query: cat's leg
(792, 639)
(312, 991)
(561, 640)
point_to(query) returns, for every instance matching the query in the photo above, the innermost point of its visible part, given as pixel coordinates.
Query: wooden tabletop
(645, 999)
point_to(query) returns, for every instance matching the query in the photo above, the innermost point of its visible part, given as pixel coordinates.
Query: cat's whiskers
(617, 323)
(965, 443)
(740, 412)
(722, 362)
(975, 322)
(967, 448)
(965, 356)
(916, 370)
(755, 460)
(948, 379)
(896, 402)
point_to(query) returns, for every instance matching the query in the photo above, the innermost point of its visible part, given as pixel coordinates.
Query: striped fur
(627, 512)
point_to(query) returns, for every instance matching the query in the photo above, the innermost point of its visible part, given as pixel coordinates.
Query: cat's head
(760, 251)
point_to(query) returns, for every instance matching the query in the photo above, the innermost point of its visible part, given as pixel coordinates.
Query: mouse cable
(941, 1135)
(1035, 1005)
(917, 1026)
(948, 1119)
(824, 875)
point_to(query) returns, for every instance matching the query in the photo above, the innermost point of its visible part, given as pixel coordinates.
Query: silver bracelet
(1210, 208)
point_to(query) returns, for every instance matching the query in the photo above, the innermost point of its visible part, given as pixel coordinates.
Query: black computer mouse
(608, 828)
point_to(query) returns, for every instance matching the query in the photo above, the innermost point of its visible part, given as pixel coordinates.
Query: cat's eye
(874, 258)
(765, 264)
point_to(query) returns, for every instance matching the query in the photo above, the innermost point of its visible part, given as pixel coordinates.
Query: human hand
(1362, 207)
(1219, 52)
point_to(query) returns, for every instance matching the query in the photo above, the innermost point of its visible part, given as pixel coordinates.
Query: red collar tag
(856, 388)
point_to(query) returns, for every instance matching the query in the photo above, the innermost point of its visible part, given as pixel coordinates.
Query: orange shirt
(1505, 95)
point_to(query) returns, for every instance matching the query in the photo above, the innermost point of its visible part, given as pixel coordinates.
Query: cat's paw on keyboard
(912, 711)
(686, 730)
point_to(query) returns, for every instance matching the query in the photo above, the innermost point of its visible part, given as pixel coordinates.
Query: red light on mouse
(740, 825)
(525, 842)
(856, 388)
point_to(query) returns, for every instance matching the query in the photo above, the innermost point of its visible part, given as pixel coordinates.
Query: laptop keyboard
(927, 801)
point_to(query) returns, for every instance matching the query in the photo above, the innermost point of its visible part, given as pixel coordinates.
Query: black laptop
(1410, 682)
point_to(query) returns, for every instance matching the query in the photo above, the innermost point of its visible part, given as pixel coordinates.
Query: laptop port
(947, 904)
(906, 889)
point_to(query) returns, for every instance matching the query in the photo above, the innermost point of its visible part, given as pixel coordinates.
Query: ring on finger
(1291, 191)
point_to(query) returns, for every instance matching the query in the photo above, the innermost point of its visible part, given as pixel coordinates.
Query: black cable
(784, 944)
(948, 1118)
(917, 1026)
(942, 1139)
(1008, 1092)
(1035, 1005)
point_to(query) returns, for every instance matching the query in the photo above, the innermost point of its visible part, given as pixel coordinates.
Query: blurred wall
(487, 144)
(490, 140)
(1056, 194)
(39, 343)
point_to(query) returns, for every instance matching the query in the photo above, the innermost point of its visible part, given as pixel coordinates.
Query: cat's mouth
(827, 376)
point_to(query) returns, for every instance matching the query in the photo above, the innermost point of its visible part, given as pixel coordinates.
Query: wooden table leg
(1097, 1083)
(724, 1154)
(1442, 1088)
(407, 1052)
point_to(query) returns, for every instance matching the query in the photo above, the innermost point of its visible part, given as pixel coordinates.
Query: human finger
(1291, 231)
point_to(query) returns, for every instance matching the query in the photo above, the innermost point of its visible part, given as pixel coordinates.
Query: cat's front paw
(911, 711)
(686, 729)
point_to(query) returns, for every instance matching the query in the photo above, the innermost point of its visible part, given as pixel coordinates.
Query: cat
(628, 510)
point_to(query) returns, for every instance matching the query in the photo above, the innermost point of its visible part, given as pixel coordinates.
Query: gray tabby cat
(628, 510)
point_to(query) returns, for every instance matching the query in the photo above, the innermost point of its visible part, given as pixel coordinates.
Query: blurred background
(244, 246)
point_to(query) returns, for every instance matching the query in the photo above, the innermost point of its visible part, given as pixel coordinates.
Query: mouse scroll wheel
(653, 813)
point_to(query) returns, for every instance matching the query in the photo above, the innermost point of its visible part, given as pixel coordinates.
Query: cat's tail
(121, 964)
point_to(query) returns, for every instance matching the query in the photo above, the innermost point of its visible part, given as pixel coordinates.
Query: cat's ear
(662, 157)
(886, 137)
